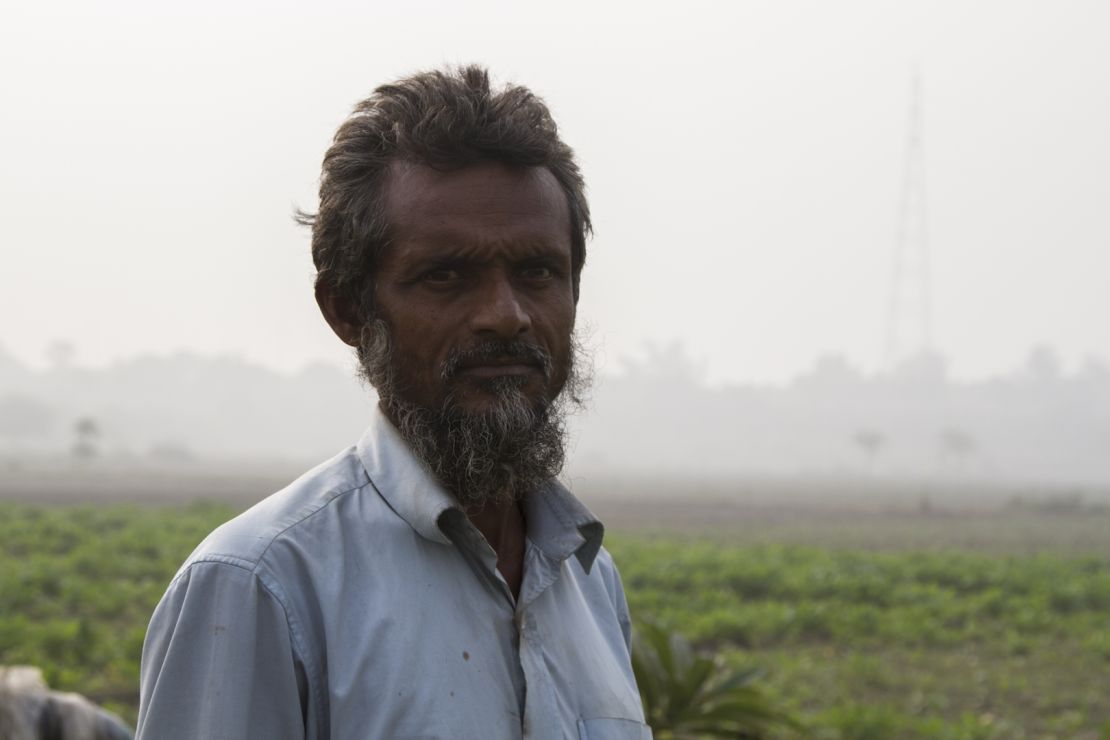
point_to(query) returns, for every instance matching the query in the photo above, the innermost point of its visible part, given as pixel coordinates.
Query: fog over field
(657, 417)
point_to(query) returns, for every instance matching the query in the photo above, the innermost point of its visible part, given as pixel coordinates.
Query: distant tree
(831, 373)
(86, 434)
(1043, 364)
(1094, 378)
(924, 370)
(871, 442)
(668, 363)
(956, 444)
(1095, 368)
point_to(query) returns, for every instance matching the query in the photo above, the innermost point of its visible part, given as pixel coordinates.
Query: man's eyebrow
(461, 249)
(532, 250)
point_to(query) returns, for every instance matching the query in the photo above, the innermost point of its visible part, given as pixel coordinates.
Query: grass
(991, 626)
(900, 643)
(78, 585)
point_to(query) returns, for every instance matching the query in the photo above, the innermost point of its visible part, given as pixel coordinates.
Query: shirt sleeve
(218, 662)
(623, 615)
(616, 592)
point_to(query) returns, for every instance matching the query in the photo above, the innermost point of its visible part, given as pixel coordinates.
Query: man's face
(478, 257)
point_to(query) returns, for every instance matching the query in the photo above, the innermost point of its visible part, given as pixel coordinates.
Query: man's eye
(443, 275)
(539, 272)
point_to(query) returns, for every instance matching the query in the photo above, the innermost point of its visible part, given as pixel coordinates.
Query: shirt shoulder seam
(336, 496)
(213, 559)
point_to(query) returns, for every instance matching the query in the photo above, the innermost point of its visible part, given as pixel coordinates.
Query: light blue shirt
(361, 603)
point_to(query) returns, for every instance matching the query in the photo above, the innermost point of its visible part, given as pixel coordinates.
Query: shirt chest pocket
(608, 728)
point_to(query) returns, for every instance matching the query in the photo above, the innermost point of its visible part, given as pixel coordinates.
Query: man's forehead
(420, 197)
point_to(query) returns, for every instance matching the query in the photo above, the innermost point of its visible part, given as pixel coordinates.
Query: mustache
(493, 350)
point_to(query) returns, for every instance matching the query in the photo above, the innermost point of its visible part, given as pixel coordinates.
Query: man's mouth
(497, 359)
(498, 367)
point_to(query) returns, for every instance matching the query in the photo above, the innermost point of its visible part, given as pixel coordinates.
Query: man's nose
(499, 310)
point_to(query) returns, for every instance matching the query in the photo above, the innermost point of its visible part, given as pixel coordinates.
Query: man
(435, 581)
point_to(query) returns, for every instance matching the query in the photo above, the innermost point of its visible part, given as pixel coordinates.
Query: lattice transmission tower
(909, 315)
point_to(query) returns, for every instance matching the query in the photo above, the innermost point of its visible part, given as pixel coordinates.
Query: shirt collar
(558, 523)
(561, 525)
(403, 481)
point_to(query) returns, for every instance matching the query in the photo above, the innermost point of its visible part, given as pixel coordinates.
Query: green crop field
(992, 626)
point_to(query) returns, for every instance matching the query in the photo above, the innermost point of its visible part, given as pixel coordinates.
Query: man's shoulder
(245, 540)
(607, 570)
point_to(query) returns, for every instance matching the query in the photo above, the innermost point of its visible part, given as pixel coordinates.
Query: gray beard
(490, 459)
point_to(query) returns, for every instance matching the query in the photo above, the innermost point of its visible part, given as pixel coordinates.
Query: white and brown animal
(31, 711)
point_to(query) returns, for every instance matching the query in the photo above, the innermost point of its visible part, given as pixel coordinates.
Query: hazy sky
(743, 159)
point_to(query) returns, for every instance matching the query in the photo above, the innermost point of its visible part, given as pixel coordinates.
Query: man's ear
(340, 314)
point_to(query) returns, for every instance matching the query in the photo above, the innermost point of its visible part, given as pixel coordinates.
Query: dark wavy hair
(445, 119)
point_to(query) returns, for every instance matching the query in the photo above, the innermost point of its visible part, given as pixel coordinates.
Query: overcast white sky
(743, 159)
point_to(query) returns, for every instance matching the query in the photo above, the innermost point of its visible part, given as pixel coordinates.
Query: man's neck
(503, 527)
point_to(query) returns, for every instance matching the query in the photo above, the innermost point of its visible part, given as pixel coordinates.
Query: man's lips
(499, 367)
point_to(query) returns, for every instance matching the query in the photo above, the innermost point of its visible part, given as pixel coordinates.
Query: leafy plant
(686, 695)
